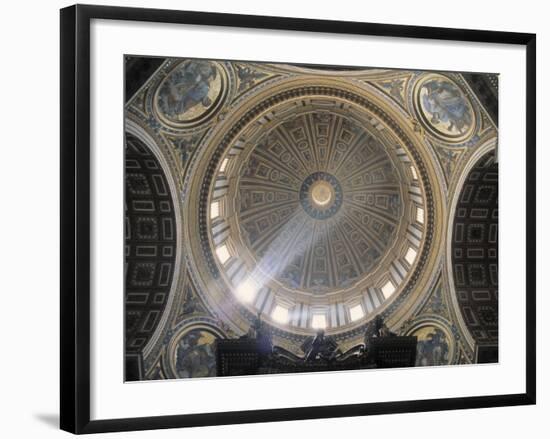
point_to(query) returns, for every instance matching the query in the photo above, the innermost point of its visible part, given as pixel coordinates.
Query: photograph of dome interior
(299, 218)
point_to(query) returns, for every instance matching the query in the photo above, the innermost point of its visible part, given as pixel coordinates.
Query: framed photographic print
(284, 218)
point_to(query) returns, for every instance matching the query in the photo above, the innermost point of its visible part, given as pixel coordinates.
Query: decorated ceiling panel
(150, 243)
(475, 251)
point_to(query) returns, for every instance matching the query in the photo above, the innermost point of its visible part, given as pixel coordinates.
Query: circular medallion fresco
(444, 109)
(194, 355)
(435, 347)
(190, 92)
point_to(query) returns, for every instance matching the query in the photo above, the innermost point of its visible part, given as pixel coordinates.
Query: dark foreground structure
(254, 353)
(247, 357)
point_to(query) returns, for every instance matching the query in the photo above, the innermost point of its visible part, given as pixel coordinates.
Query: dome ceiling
(323, 192)
(315, 210)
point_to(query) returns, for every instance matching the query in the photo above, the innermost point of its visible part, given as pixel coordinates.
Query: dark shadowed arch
(150, 249)
(475, 256)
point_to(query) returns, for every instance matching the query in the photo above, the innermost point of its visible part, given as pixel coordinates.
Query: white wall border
(111, 398)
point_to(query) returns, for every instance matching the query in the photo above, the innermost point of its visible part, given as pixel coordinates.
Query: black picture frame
(75, 217)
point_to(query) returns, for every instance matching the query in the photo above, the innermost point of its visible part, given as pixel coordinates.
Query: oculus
(321, 195)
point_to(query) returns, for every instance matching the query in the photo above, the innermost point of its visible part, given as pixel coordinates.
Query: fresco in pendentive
(445, 107)
(189, 91)
(433, 346)
(195, 354)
